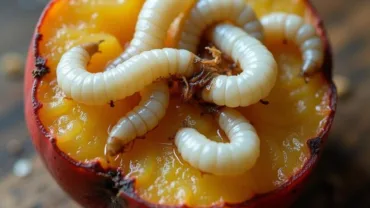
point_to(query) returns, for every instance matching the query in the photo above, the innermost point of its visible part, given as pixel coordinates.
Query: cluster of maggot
(236, 32)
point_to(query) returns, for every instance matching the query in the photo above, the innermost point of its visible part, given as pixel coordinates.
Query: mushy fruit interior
(296, 111)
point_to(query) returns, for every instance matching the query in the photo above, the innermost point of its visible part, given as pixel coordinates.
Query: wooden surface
(342, 178)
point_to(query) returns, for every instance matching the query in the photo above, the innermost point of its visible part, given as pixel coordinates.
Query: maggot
(150, 33)
(143, 118)
(124, 80)
(292, 28)
(259, 69)
(232, 158)
(151, 29)
(207, 12)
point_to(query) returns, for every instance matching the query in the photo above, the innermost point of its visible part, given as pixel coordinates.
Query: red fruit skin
(93, 186)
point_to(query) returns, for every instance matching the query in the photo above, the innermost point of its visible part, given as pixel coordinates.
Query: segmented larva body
(127, 78)
(207, 12)
(143, 118)
(151, 29)
(150, 33)
(232, 158)
(292, 28)
(259, 69)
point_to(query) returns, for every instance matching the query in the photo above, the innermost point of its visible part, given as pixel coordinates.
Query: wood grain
(342, 178)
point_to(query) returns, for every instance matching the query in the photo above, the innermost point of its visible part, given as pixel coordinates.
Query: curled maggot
(208, 12)
(259, 69)
(217, 158)
(286, 27)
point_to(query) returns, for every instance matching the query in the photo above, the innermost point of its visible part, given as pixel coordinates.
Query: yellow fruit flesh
(295, 112)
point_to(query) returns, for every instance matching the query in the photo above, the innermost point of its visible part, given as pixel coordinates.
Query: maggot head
(92, 47)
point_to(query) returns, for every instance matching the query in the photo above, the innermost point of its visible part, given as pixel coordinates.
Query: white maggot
(259, 69)
(143, 118)
(292, 28)
(151, 29)
(127, 78)
(207, 12)
(232, 158)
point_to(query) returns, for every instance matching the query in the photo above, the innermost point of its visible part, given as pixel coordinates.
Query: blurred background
(342, 178)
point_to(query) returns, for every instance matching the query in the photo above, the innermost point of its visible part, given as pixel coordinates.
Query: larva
(127, 78)
(143, 118)
(207, 12)
(292, 28)
(232, 158)
(151, 29)
(259, 69)
(150, 33)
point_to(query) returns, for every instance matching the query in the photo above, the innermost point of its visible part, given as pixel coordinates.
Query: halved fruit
(71, 137)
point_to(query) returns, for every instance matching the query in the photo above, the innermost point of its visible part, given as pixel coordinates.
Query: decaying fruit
(71, 137)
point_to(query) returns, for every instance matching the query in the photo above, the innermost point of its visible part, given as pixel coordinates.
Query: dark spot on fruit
(38, 38)
(170, 83)
(264, 102)
(141, 137)
(202, 174)
(95, 165)
(115, 177)
(41, 68)
(40, 63)
(285, 41)
(112, 173)
(53, 141)
(314, 145)
(111, 104)
(127, 186)
(35, 104)
(117, 184)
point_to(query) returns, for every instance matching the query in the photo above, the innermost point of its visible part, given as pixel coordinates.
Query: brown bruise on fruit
(160, 175)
